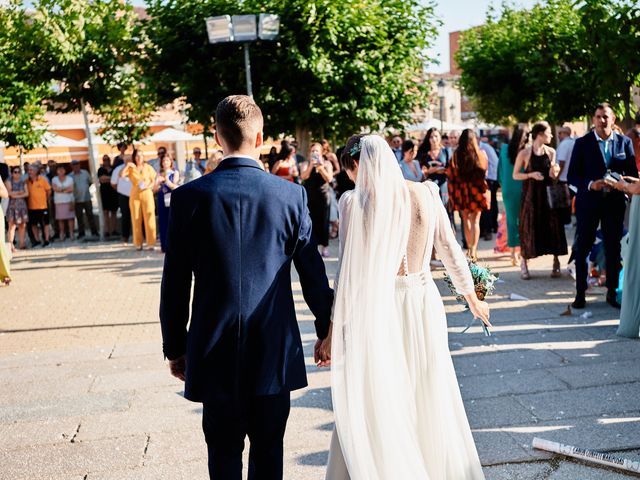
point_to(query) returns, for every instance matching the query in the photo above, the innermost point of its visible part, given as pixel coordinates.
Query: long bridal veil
(375, 418)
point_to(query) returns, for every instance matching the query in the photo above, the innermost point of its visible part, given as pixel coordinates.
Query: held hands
(178, 367)
(598, 185)
(554, 171)
(322, 352)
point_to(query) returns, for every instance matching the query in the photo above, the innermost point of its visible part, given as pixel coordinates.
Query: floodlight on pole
(243, 29)
(219, 29)
(269, 26)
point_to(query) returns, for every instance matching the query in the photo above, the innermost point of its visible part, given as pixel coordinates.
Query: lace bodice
(430, 228)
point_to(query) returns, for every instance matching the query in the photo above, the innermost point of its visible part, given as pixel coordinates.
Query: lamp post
(441, 87)
(243, 29)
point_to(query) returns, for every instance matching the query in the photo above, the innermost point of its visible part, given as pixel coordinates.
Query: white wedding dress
(397, 405)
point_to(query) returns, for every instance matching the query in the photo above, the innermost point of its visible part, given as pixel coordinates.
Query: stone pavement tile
(51, 358)
(176, 447)
(139, 422)
(508, 383)
(496, 447)
(543, 339)
(508, 314)
(594, 374)
(169, 397)
(484, 386)
(517, 471)
(43, 389)
(533, 381)
(70, 369)
(500, 362)
(570, 470)
(597, 433)
(76, 405)
(496, 412)
(138, 348)
(135, 380)
(69, 459)
(611, 399)
(615, 348)
(184, 471)
(24, 434)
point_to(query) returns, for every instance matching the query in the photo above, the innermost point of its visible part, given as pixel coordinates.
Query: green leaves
(337, 66)
(21, 100)
(554, 61)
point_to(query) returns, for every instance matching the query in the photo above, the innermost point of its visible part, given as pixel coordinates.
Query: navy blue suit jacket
(588, 164)
(237, 230)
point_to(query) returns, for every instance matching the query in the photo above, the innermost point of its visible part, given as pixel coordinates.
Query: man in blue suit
(593, 155)
(237, 231)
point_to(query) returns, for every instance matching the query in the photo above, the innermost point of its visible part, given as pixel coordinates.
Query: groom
(236, 231)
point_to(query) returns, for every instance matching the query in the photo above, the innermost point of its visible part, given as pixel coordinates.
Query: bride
(398, 410)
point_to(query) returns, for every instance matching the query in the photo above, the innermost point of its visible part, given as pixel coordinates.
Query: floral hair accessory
(357, 147)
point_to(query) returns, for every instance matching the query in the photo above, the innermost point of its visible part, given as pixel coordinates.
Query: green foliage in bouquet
(483, 281)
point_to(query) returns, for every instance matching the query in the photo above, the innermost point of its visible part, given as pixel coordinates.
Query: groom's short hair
(238, 118)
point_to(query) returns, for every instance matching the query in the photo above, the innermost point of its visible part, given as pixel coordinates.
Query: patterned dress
(17, 211)
(467, 193)
(541, 228)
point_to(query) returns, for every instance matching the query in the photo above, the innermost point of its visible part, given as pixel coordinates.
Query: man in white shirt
(563, 153)
(563, 157)
(123, 187)
(489, 218)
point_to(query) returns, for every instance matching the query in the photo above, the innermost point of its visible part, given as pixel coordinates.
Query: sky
(460, 15)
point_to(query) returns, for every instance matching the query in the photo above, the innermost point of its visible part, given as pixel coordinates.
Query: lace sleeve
(344, 209)
(447, 246)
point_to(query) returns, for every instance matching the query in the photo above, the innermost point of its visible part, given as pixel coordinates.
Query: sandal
(555, 272)
(524, 270)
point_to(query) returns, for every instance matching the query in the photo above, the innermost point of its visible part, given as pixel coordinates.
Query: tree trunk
(627, 121)
(206, 145)
(303, 136)
(93, 167)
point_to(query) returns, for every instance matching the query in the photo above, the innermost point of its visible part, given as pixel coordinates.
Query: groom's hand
(178, 367)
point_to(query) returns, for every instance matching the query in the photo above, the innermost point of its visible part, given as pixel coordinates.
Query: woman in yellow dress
(5, 273)
(141, 201)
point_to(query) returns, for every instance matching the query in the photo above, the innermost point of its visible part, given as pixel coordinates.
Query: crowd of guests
(53, 202)
(538, 184)
(542, 189)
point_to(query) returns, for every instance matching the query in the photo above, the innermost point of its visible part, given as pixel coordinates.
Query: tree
(523, 65)
(85, 49)
(21, 102)
(613, 36)
(128, 119)
(337, 66)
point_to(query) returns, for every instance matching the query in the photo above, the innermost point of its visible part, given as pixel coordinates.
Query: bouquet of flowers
(484, 283)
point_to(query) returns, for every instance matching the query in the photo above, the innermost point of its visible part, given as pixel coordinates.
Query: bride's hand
(323, 353)
(480, 310)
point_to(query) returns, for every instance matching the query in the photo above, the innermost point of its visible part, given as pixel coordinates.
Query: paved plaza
(86, 394)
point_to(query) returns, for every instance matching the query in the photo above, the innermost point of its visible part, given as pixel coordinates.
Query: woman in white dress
(397, 405)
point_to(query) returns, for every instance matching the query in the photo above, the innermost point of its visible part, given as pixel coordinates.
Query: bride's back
(419, 231)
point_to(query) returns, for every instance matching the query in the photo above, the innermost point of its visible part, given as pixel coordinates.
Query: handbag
(558, 196)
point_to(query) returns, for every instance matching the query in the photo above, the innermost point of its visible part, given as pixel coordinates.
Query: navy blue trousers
(609, 214)
(227, 422)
